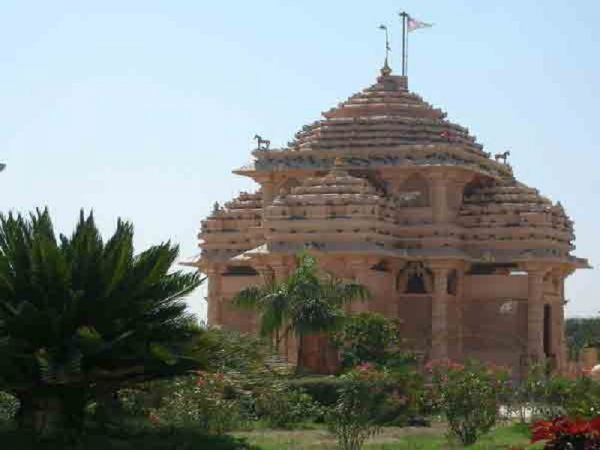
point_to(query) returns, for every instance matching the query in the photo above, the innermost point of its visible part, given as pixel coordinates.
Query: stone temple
(385, 190)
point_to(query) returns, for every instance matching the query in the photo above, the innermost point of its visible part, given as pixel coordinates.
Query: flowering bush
(207, 401)
(468, 395)
(353, 419)
(567, 434)
(368, 337)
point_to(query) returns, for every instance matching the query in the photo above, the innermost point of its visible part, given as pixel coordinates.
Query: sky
(140, 109)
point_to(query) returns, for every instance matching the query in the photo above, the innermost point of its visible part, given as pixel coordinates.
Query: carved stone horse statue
(262, 144)
(502, 156)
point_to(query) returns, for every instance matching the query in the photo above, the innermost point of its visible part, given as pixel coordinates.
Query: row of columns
(536, 303)
(440, 303)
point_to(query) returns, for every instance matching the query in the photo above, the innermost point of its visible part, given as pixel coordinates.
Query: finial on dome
(386, 70)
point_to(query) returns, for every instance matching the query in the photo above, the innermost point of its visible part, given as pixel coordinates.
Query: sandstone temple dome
(385, 190)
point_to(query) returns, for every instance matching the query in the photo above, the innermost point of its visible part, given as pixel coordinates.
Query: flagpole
(404, 39)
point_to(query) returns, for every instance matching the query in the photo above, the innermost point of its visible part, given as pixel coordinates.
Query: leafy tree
(80, 317)
(306, 303)
(582, 332)
(368, 337)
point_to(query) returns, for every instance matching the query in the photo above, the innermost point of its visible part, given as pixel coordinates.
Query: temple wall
(414, 312)
(495, 319)
(380, 285)
(233, 318)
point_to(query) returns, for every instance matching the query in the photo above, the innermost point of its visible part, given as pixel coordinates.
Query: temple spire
(386, 70)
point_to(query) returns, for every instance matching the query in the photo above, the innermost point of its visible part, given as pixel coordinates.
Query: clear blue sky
(140, 109)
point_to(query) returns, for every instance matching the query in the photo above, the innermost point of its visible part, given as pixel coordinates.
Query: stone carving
(508, 307)
(502, 156)
(262, 144)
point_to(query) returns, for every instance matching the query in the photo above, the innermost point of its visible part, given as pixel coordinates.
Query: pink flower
(364, 367)
(154, 419)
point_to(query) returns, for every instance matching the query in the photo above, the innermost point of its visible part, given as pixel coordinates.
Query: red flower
(365, 367)
(542, 431)
(595, 424)
(563, 427)
(579, 427)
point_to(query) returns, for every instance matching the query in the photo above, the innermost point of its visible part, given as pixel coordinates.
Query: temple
(384, 190)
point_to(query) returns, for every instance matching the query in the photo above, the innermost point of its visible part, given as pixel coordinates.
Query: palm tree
(79, 317)
(305, 303)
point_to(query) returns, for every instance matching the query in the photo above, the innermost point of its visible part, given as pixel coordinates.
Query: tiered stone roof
(233, 228)
(347, 170)
(383, 115)
(330, 210)
(383, 125)
(511, 213)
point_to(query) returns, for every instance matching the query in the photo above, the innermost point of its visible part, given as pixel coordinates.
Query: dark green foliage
(581, 333)
(306, 303)
(9, 406)
(404, 390)
(160, 439)
(285, 407)
(368, 337)
(323, 389)
(80, 317)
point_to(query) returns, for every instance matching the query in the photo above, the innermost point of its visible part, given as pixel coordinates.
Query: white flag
(414, 24)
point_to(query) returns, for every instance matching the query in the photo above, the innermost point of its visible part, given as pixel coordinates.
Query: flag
(414, 24)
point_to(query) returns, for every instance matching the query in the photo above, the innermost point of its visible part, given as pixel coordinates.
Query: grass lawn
(389, 439)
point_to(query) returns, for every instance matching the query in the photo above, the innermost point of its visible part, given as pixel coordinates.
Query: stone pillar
(359, 269)
(393, 305)
(439, 319)
(559, 341)
(214, 305)
(535, 316)
(439, 197)
(288, 347)
(268, 192)
(459, 302)
(560, 349)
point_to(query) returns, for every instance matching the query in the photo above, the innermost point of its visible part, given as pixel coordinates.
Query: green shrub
(354, 417)
(206, 402)
(469, 396)
(368, 337)
(582, 397)
(322, 389)
(282, 407)
(547, 397)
